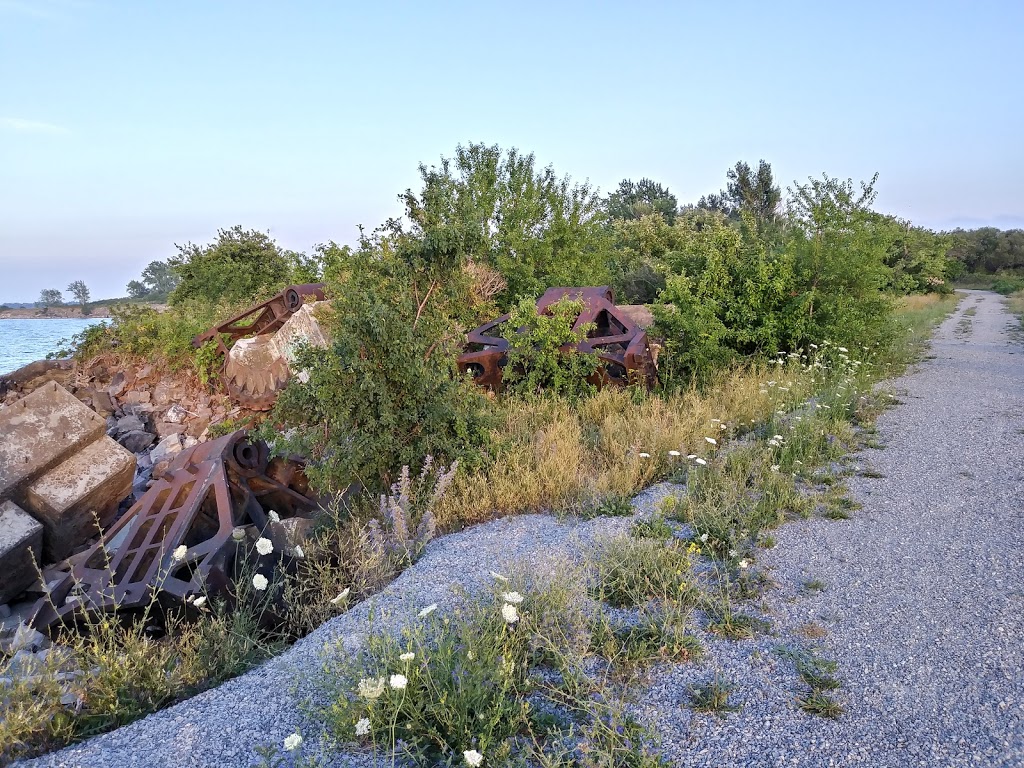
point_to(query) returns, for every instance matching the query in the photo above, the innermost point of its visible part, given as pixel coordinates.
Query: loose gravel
(923, 605)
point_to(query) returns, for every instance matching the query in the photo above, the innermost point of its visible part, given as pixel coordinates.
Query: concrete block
(21, 546)
(68, 498)
(40, 431)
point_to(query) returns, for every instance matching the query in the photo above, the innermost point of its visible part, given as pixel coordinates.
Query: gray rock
(24, 639)
(130, 423)
(137, 441)
(176, 414)
(166, 449)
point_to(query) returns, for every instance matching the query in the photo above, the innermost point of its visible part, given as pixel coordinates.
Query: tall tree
(747, 190)
(50, 297)
(635, 200)
(80, 292)
(490, 206)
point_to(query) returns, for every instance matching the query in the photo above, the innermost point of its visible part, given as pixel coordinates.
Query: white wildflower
(473, 758)
(238, 534)
(723, 426)
(264, 546)
(509, 613)
(179, 553)
(200, 601)
(711, 440)
(398, 682)
(363, 727)
(843, 349)
(371, 687)
(260, 582)
(645, 455)
(776, 437)
(407, 657)
(775, 467)
(674, 453)
(512, 597)
(814, 346)
(298, 552)
(704, 538)
(274, 517)
(342, 596)
(732, 553)
(700, 461)
(744, 563)
(292, 743)
(427, 611)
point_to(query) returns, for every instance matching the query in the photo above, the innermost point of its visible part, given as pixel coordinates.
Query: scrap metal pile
(620, 344)
(209, 492)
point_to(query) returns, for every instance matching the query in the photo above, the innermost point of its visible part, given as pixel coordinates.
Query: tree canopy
(636, 200)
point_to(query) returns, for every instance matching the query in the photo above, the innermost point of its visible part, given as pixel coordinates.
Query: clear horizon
(126, 128)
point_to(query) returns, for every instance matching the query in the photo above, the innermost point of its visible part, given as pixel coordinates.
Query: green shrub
(542, 355)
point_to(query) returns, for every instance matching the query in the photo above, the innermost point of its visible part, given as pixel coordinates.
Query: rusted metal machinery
(208, 492)
(254, 379)
(619, 343)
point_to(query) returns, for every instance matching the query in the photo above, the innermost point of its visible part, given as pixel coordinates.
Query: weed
(632, 572)
(653, 527)
(811, 630)
(820, 704)
(872, 474)
(608, 505)
(654, 636)
(814, 585)
(713, 696)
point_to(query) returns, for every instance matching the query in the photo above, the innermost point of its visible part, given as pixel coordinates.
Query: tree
(160, 279)
(746, 190)
(80, 291)
(239, 267)
(50, 297)
(494, 207)
(633, 201)
(137, 290)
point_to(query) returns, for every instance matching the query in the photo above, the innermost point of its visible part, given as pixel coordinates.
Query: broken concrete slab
(69, 498)
(21, 547)
(41, 430)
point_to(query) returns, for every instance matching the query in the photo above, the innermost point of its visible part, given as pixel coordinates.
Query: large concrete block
(21, 543)
(39, 431)
(68, 499)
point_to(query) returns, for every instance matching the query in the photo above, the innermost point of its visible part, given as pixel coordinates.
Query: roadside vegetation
(775, 327)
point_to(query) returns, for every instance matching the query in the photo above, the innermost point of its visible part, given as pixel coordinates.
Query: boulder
(176, 414)
(130, 423)
(21, 549)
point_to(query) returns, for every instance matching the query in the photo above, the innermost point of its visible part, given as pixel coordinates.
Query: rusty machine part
(207, 492)
(255, 383)
(619, 343)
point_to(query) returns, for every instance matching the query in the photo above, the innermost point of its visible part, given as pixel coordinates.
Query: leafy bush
(385, 393)
(542, 355)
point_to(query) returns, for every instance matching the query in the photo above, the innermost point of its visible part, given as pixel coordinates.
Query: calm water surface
(25, 340)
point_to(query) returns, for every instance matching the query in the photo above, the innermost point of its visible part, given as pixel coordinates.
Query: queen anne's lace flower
(259, 581)
(711, 440)
(398, 682)
(427, 611)
(473, 758)
(371, 687)
(264, 546)
(179, 553)
(363, 727)
(509, 613)
(407, 657)
(293, 742)
(512, 597)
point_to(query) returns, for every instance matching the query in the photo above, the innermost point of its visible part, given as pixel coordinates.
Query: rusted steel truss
(208, 491)
(256, 385)
(619, 343)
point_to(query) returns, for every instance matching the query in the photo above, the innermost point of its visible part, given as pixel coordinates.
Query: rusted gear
(255, 378)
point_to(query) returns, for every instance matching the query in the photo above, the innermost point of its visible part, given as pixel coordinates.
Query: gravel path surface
(923, 604)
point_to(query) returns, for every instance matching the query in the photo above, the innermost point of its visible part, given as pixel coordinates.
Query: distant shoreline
(54, 313)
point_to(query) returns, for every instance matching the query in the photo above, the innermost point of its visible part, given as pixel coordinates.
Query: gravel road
(923, 603)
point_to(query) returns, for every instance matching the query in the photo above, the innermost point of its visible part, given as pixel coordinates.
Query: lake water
(24, 340)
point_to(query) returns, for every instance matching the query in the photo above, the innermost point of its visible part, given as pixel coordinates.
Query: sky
(128, 127)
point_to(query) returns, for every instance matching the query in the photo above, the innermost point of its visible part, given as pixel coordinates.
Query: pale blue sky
(128, 126)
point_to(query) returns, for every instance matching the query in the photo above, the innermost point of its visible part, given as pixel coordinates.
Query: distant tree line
(988, 250)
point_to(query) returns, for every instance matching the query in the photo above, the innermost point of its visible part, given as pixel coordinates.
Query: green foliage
(644, 198)
(80, 292)
(726, 294)
(632, 572)
(496, 208)
(159, 279)
(238, 268)
(385, 393)
(542, 355)
(50, 297)
(988, 249)
(747, 192)
(917, 258)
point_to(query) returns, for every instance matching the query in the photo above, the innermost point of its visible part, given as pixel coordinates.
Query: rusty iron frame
(207, 492)
(618, 342)
(259, 320)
